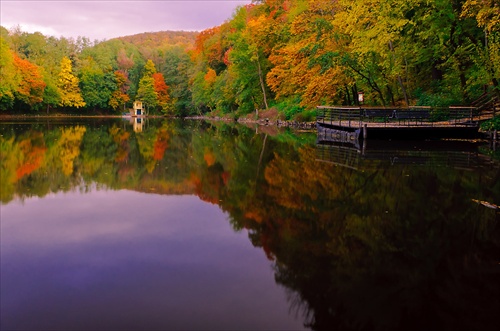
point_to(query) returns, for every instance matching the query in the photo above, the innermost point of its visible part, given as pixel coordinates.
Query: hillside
(161, 38)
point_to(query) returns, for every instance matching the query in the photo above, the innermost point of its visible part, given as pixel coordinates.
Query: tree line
(282, 54)
(75, 75)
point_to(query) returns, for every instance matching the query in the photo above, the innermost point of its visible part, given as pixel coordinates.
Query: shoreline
(261, 121)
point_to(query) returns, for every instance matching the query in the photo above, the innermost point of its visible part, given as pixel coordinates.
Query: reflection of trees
(19, 158)
(146, 148)
(33, 151)
(69, 147)
(380, 248)
(40, 160)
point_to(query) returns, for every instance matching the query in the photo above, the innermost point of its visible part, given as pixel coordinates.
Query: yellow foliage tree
(307, 64)
(68, 86)
(486, 12)
(374, 29)
(10, 81)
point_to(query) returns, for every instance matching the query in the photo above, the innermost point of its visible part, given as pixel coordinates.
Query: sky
(107, 19)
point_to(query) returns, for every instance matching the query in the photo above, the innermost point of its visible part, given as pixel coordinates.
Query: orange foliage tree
(31, 85)
(161, 89)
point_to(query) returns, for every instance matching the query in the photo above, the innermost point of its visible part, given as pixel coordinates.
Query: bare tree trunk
(400, 81)
(348, 95)
(262, 84)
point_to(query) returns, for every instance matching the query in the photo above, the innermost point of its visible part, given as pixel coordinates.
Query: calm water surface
(178, 225)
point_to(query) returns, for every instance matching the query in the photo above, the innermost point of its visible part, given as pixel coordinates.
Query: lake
(111, 224)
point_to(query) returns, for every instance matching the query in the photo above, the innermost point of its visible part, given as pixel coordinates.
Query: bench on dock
(417, 114)
(379, 113)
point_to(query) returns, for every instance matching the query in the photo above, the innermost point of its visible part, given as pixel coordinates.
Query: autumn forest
(281, 54)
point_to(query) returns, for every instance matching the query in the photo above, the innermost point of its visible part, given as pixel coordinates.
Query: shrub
(290, 107)
(438, 100)
(305, 116)
(490, 125)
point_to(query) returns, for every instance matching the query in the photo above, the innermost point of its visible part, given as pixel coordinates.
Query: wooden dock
(398, 123)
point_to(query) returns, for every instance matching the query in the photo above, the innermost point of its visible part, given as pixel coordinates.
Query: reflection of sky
(128, 260)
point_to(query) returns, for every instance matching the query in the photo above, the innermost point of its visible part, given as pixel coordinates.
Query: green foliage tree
(249, 62)
(97, 85)
(202, 89)
(146, 92)
(176, 73)
(51, 97)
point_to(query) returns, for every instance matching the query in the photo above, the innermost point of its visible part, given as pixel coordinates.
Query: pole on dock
(365, 132)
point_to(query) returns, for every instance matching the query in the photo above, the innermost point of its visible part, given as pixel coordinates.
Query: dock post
(363, 150)
(365, 132)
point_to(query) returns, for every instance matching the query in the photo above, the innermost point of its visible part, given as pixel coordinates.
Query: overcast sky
(106, 19)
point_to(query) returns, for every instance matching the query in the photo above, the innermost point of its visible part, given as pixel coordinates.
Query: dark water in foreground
(185, 225)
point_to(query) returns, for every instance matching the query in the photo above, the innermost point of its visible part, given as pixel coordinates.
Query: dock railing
(342, 116)
(460, 113)
(356, 117)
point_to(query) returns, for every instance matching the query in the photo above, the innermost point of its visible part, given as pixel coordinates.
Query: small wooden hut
(138, 109)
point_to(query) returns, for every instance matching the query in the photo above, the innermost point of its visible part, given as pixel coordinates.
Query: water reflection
(440, 153)
(124, 260)
(361, 241)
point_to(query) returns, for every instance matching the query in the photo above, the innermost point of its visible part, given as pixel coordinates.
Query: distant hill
(161, 38)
